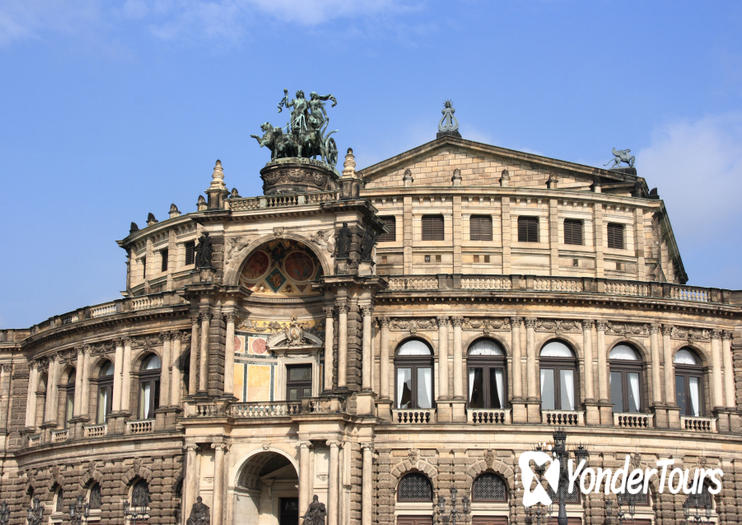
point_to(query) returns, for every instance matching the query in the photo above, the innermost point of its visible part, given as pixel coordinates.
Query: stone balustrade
(633, 420)
(60, 435)
(413, 416)
(562, 418)
(484, 416)
(94, 431)
(143, 426)
(698, 424)
(282, 200)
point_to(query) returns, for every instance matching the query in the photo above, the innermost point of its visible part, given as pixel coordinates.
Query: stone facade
(304, 360)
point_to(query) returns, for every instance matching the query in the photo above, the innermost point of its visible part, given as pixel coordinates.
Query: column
(126, 376)
(166, 339)
(342, 343)
(5, 370)
(33, 385)
(229, 356)
(329, 346)
(717, 392)
(51, 392)
(384, 358)
(304, 477)
(193, 365)
(79, 367)
(218, 503)
(367, 484)
(669, 368)
(531, 361)
(726, 348)
(515, 324)
(443, 357)
(366, 353)
(190, 488)
(332, 489)
(655, 365)
(602, 362)
(175, 376)
(118, 366)
(203, 368)
(587, 345)
(84, 370)
(458, 359)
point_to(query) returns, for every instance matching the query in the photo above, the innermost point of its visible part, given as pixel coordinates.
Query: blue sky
(112, 109)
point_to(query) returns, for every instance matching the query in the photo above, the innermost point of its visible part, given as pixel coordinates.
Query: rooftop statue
(306, 133)
(619, 156)
(448, 123)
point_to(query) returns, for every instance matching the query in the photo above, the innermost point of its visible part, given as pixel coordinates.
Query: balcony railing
(698, 424)
(143, 426)
(281, 201)
(94, 431)
(264, 409)
(60, 435)
(534, 283)
(34, 440)
(413, 416)
(633, 420)
(562, 418)
(488, 416)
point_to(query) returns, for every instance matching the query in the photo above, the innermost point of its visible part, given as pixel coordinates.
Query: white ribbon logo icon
(538, 494)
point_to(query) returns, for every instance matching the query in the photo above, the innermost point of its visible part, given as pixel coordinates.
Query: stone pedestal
(297, 175)
(365, 404)
(606, 413)
(660, 416)
(592, 412)
(384, 409)
(723, 422)
(533, 410)
(673, 417)
(458, 411)
(520, 411)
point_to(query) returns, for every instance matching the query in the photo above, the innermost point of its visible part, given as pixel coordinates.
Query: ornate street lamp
(134, 513)
(4, 513)
(538, 514)
(562, 454)
(78, 511)
(625, 509)
(454, 516)
(697, 508)
(35, 512)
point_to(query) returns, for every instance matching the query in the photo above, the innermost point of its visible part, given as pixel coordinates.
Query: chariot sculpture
(306, 134)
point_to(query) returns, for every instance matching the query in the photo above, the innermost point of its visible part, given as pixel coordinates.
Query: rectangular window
(190, 252)
(144, 267)
(298, 382)
(527, 229)
(432, 227)
(390, 225)
(480, 228)
(573, 231)
(163, 260)
(615, 235)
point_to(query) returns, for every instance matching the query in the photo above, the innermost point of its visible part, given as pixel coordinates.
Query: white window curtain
(694, 396)
(568, 389)
(404, 376)
(424, 388)
(634, 391)
(500, 387)
(102, 404)
(145, 397)
(471, 382)
(547, 389)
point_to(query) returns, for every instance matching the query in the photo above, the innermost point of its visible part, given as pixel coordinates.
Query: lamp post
(134, 513)
(538, 514)
(4, 513)
(454, 516)
(35, 512)
(78, 511)
(697, 509)
(625, 509)
(562, 454)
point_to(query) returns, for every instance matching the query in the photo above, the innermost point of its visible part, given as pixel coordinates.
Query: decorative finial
(217, 177)
(448, 124)
(133, 227)
(235, 194)
(174, 211)
(349, 165)
(201, 203)
(151, 219)
(621, 156)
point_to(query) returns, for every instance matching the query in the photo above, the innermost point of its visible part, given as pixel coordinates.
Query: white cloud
(697, 166)
(24, 19)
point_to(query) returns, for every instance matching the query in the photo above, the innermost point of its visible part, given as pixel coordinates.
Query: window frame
(409, 475)
(104, 383)
(581, 231)
(611, 236)
(389, 221)
(149, 378)
(487, 363)
(624, 367)
(414, 363)
(301, 384)
(69, 398)
(475, 499)
(687, 372)
(483, 234)
(189, 253)
(525, 222)
(558, 364)
(164, 253)
(429, 231)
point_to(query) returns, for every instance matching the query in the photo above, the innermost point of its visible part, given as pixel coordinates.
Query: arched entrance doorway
(267, 492)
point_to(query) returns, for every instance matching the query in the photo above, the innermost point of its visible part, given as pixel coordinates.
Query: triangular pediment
(439, 162)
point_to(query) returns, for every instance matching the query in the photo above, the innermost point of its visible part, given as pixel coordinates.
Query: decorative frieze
(627, 329)
(690, 334)
(558, 326)
(412, 325)
(487, 325)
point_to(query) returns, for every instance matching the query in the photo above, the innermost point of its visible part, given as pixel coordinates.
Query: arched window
(487, 382)
(149, 387)
(625, 379)
(69, 398)
(558, 376)
(489, 487)
(414, 364)
(138, 507)
(41, 399)
(415, 486)
(105, 392)
(688, 382)
(94, 496)
(58, 499)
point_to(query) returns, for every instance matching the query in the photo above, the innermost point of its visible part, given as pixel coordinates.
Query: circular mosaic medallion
(238, 345)
(299, 266)
(258, 346)
(256, 265)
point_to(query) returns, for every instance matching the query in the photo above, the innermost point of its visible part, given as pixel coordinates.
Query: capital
(716, 334)
(230, 316)
(666, 329)
(442, 321)
(602, 326)
(457, 321)
(727, 335)
(654, 328)
(191, 447)
(367, 446)
(530, 322)
(165, 336)
(367, 310)
(333, 443)
(587, 324)
(383, 321)
(220, 446)
(342, 306)
(329, 310)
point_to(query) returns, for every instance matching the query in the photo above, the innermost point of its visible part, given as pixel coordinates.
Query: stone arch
(235, 264)
(702, 354)
(140, 355)
(644, 354)
(495, 466)
(420, 465)
(236, 470)
(133, 474)
(467, 343)
(562, 338)
(409, 337)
